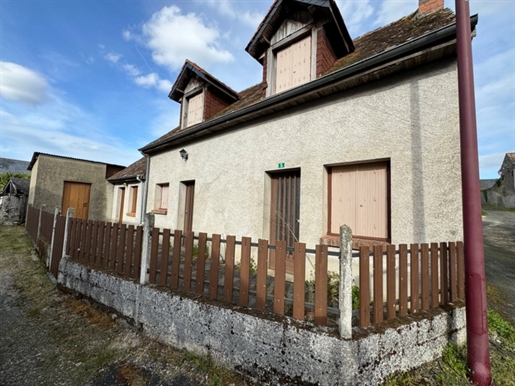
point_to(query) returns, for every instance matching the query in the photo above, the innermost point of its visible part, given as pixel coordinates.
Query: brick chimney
(427, 6)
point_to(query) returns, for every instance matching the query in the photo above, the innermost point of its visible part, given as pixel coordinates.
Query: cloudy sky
(90, 78)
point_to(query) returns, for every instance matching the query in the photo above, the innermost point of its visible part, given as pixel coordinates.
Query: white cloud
(355, 14)
(21, 84)
(131, 69)
(113, 57)
(227, 8)
(174, 37)
(153, 80)
(392, 10)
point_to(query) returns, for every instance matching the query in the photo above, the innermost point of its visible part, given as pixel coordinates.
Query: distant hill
(13, 166)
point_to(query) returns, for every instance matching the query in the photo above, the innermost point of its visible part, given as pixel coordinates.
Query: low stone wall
(268, 349)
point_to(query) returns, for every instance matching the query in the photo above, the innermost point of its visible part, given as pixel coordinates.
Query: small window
(133, 200)
(293, 65)
(161, 200)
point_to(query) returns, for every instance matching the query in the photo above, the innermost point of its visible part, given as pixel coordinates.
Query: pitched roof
(414, 33)
(188, 71)
(282, 9)
(131, 172)
(14, 166)
(37, 154)
(16, 186)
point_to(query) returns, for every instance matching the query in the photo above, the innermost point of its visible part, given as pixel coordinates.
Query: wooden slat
(444, 276)
(137, 252)
(94, 240)
(280, 276)
(453, 272)
(261, 274)
(390, 282)
(130, 251)
(215, 263)
(245, 271)
(107, 245)
(176, 259)
(71, 236)
(364, 287)
(121, 248)
(83, 233)
(414, 282)
(378, 284)
(435, 274)
(424, 269)
(321, 285)
(188, 260)
(229, 268)
(100, 243)
(461, 270)
(114, 246)
(201, 263)
(403, 280)
(299, 293)
(165, 255)
(153, 256)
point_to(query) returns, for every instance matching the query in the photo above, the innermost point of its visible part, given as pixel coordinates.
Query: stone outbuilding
(13, 201)
(502, 193)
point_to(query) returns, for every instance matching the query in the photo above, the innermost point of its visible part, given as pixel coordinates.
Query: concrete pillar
(145, 252)
(39, 224)
(69, 214)
(345, 299)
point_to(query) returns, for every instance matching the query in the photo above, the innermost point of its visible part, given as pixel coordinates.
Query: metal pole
(478, 356)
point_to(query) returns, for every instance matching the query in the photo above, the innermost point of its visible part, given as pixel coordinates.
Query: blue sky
(90, 79)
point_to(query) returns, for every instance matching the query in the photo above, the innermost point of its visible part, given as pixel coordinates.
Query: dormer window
(193, 109)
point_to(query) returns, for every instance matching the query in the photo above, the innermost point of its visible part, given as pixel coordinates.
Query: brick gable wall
(213, 103)
(325, 53)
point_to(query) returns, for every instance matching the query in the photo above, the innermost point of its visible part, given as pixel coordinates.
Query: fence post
(39, 224)
(345, 298)
(69, 214)
(49, 257)
(146, 247)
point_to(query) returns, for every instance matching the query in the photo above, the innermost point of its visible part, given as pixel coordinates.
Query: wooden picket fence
(392, 281)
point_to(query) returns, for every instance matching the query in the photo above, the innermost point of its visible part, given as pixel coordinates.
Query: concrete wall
(47, 182)
(269, 350)
(410, 120)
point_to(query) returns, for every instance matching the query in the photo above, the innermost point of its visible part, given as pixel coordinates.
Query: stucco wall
(116, 201)
(48, 177)
(271, 350)
(411, 120)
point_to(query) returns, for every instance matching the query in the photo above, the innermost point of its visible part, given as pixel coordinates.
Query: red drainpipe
(478, 356)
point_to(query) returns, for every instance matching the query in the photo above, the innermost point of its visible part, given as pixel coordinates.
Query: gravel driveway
(499, 239)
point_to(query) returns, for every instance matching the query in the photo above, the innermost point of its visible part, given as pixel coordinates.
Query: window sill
(131, 214)
(160, 211)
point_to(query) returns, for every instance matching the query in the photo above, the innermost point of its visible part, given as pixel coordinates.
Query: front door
(76, 195)
(188, 206)
(284, 212)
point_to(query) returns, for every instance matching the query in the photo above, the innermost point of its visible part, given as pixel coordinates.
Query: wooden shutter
(293, 65)
(195, 109)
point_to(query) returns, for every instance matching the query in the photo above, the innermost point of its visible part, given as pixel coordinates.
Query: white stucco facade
(410, 120)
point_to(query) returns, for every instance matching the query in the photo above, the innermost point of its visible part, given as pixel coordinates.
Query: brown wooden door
(76, 195)
(188, 206)
(285, 212)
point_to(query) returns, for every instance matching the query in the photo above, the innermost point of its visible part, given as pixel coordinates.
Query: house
(13, 201)
(128, 185)
(362, 132)
(64, 182)
(502, 193)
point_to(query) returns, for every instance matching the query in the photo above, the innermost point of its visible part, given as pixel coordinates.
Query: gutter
(443, 33)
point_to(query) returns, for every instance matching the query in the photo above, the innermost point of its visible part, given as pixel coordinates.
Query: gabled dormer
(297, 41)
(200, 94)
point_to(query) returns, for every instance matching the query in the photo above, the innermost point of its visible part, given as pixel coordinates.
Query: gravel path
(51, 338)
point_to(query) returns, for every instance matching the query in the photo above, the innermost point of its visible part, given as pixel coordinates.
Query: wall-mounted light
(184, 154)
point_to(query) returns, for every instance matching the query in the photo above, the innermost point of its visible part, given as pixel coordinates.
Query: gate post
(49, 257)
(148, 225)
(69, 214)
(345, 298)
(39, 224)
